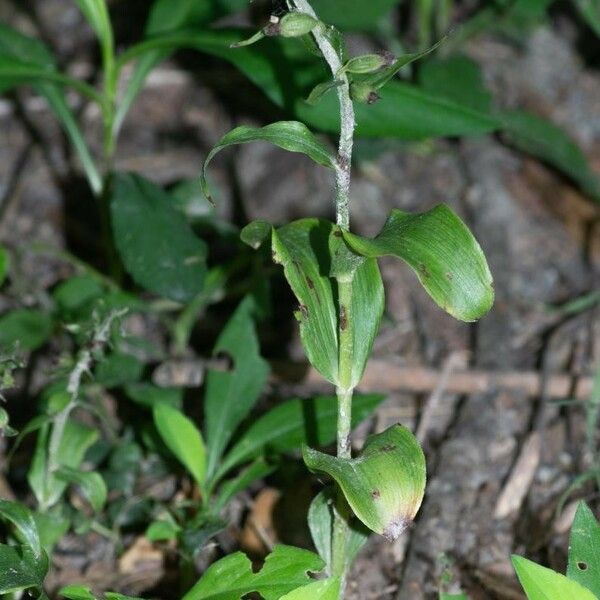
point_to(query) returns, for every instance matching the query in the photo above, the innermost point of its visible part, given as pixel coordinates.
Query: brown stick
(384, 375)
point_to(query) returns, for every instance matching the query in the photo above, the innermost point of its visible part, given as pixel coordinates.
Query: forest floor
(482, 397)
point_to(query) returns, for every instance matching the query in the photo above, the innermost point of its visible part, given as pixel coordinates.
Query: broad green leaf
(442, 251)
(541, 583)
(385, 485)
(28, 328)
(590, 11)
(232, 577)
(293, 423)
(183, 438)
(546, 141)
(458, 79)
(77, 439)
(231, 395)
(355, 15)
(118, 368)
(289, 135)
(320, 523)
(4, 264)
(76, 296)
(584, 550)
(22, 518)
(328, 589)
(304, 249)
(51, 526)
(157, 246)
(20, 569)
(91, 485)
(405, 111)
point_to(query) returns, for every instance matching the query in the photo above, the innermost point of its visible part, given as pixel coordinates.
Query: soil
(542, 240)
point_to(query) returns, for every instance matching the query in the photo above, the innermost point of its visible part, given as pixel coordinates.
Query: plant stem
(341, 527)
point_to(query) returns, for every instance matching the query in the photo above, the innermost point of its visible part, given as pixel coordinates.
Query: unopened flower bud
(364, 93)
(296, 24)
(368, 63)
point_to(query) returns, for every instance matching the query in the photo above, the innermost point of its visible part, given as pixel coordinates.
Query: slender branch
(347, 118)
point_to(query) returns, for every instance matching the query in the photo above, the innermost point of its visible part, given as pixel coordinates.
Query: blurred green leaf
(584, 550)
(385, 485)
(541, 583)
(150, 395)
(161, 531)
(443, 253)
(289, 425)
(91, 485)
(52, 526)
(590, 11)
(20, 569)
(256, 470)
(118, 368)
(183, 439)
(232, 577)
(76, 296)
(230, 395)
(354, 15)
(549, 143)
(77, 592)
(4, 264)
(28, 328)
(22, 518)
(328, 589)
(157, 246)
(289, 135)
(96, 14)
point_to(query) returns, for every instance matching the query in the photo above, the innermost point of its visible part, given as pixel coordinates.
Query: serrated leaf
(443, 253)
(91, 485)
(157, 246)
(385, 485)
(541, 583)
(231, 395)
(289, 135)
(28, 328)
(551, 144)
(293, 423)
(183, 438)
(584, 550)
(230, 578)
(328, 589)
(22, 518)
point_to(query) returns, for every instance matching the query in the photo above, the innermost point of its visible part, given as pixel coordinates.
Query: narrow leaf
(157, 246)
(385, 485)
(584, 550)
(231, 395)
(293, 423)
(289, 135)
(231, 578)
(183, 438)
(541, 583)
(441, 250)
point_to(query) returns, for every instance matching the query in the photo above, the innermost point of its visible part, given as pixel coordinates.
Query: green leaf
(541, 583)
(307, 251)
(118, 369)
(320, 523)
(405, 111)
(590, 11)
(183, 438)
(4, 264)
(51, 526)
(458, 79)
(150, 395)
(549, 143)
(231, 395)
(293, 423)
(441, 250)
(76, 296)
(22, 518)
(77, 592)
(20, 569)
(28, 328)
(584, 550)
(97, 16)
(289, 135)
(355, 15)
(157, 246)
(385, 485)
(446, 596)
(232, 577)
(160, 531)
(91, 484)
(328, 589)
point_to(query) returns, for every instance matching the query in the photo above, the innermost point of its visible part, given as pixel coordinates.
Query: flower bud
(361, 92)
(296, 24)
(368, 63)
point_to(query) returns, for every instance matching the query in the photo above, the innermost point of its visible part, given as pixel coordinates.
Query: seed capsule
(368, 63)
(296, 24)
(363, 93)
